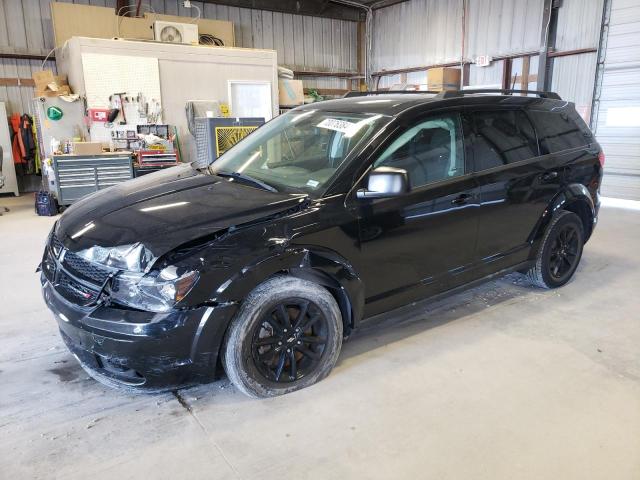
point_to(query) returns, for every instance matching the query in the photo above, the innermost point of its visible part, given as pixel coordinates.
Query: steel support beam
(547, 42)
(602, 54)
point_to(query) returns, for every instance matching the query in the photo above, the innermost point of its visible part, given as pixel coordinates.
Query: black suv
(328, 215)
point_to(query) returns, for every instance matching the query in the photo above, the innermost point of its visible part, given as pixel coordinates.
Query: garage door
(618, 117)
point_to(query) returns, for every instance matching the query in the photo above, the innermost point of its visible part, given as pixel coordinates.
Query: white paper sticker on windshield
(335, 124)
(313, 183)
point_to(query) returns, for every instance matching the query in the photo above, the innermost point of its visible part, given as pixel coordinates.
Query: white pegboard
(106, 74)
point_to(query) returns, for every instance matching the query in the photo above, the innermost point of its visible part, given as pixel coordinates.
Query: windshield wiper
(248, 179)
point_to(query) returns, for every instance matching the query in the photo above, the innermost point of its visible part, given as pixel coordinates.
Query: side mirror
(385, 182)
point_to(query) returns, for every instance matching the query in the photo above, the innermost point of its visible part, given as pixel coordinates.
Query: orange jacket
(18, 146)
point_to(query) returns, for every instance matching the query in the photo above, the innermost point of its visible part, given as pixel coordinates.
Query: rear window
(502, 137)
(558, 131)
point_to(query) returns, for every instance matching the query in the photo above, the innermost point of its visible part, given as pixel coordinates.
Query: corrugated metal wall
(25, 27)
(573, 78)
(579, 24)
(431, 30)
(416, 33)
(427, 32)
(302, 42)
(618, 115)
(503, 27)
(18, 98)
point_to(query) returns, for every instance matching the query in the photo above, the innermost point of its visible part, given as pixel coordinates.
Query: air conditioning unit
(173, 32)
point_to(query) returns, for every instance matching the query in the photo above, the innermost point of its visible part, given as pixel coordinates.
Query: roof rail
(504, 91)
(385, 92)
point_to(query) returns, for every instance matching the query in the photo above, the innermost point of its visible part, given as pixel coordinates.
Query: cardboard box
(61, 90)
(290, 92)
(75, 20)
(49, 85)
(444, 78)
(87, 148)
(43, 78)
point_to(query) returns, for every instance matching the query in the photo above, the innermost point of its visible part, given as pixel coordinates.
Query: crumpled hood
(165, 210)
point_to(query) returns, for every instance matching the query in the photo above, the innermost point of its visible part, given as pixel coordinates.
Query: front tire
(286, 336)
(560, 251)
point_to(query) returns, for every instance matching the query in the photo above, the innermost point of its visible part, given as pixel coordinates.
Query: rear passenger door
(516, 184)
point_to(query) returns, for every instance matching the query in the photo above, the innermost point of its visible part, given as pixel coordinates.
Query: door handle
(461, 199)
(548, 176)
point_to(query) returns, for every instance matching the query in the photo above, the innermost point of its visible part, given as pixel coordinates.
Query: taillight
(601, 158)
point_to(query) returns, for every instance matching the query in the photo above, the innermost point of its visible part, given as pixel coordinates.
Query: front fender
(317, 264)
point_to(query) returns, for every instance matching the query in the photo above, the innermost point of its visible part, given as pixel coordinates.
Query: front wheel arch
(319, 265)
(335, 289)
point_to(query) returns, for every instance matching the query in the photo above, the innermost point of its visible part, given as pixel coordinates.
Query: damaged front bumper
(142, 350)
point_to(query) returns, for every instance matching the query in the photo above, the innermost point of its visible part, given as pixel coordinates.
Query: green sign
(54, 113)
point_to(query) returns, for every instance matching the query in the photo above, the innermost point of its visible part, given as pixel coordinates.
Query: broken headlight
(157, 291)
(133, 258)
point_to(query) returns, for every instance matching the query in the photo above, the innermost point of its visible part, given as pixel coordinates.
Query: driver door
(422, 242)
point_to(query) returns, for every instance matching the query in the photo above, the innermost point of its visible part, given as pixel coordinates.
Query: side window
(429, 151)
(502, 137)
(560, 130)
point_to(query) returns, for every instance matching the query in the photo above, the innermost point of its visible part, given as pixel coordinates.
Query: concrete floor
(501, 382)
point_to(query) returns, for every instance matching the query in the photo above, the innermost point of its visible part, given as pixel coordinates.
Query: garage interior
(503, 380)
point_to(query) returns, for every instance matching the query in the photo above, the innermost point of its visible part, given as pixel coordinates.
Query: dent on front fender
(316, 264)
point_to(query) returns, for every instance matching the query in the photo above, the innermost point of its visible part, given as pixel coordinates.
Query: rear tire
(286, 336)
(560, 251)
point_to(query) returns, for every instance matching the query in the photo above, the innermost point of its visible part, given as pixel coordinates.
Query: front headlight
(133, 258)
(156, 291)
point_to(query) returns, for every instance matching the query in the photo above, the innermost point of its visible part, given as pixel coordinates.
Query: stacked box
(444, 78)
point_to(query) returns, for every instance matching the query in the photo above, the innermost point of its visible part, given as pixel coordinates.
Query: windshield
(299, 151)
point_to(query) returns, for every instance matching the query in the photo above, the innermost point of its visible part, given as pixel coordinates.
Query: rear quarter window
(560, 130)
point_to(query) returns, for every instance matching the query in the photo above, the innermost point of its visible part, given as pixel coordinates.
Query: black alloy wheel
(286, 336)
(289, 341)
(560, 251)
(564, 251)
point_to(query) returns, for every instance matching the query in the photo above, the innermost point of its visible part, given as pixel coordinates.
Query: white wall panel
(618, 120)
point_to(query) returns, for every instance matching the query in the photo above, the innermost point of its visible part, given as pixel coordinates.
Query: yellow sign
(224, 110)
(227, 137)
